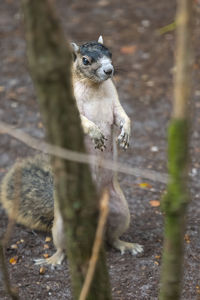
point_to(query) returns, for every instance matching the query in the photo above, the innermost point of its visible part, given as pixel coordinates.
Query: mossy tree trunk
(176, 199)
(50, 64)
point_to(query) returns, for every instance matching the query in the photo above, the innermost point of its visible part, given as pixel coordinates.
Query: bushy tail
(28, 188)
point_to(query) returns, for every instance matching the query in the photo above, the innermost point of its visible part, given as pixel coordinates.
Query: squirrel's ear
(75, 47)
(100, 40)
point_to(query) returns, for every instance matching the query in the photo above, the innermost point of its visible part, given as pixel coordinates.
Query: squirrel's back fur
(34, 188)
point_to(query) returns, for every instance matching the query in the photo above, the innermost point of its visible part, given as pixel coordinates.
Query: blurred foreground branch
(80, 156)
(176, 199)
(4, 241)
(97, 244)
(76, 198)
(6, 280)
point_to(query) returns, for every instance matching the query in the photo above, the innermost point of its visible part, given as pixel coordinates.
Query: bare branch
(81, 157)
(15, 208)
(4, 242)
(177, 196)
(97, 244)
(10, 290)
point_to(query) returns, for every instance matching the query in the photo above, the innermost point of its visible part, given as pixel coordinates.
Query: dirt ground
(144, 64)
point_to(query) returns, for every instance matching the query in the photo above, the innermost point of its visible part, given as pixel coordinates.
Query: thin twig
(81, 157)
(97, 244)
(10, 290)
(12, 220)
(15, 208)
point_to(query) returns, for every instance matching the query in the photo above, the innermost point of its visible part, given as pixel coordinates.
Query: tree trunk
(176, 199)
(50, 64)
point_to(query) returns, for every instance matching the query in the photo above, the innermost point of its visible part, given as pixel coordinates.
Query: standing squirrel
(99, 107)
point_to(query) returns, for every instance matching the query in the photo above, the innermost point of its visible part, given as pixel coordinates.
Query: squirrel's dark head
(93, 60)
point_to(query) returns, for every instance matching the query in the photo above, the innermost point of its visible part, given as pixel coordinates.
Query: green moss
(177, 151)
(173, 205)
(177, 195)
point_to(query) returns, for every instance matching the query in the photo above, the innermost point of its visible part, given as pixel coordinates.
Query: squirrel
(100, 109)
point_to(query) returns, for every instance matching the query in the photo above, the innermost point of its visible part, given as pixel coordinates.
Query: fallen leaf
(48, 239)
(11, 95)
(21, 90)
(187, 238)
(42, 270)
(14, 105)
(198, 289)
(150, 83)
(129, 49)
(46, 246)
(157, 256)
(156, 263)
(14, 246)
(195, 66)
(145, 185)
(2, 88)
(154, 149)
(119, 292)
(11, 59)
(13, 260)
(154, 203)
(46, 255)
(40, 125)
(103, 3)
(20, 241)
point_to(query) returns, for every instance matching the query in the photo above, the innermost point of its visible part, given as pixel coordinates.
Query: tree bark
(176, 199)
(50, 64)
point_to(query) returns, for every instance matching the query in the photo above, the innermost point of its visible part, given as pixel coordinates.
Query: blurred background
(141, 36)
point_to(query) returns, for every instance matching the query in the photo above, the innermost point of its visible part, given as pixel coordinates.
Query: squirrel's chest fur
(95, 102)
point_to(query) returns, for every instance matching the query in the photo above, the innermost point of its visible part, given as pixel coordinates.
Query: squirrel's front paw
(97, 137)
(123, 138)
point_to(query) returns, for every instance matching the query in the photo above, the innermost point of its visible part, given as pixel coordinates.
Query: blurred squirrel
(100, 110)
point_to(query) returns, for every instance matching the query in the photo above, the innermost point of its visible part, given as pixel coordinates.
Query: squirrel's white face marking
(92, 60)
(106, 68)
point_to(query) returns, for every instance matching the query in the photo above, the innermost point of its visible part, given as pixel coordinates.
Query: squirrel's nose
(108, 71)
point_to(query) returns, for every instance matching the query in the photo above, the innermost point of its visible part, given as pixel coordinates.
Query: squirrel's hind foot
(122, 246)
(55, 259)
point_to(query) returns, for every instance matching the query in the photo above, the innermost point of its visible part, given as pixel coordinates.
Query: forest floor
(144, 59)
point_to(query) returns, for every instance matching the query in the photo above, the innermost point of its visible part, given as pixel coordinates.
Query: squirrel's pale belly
(101, 176)
(100, 112)
(95, 105)
(98, 107)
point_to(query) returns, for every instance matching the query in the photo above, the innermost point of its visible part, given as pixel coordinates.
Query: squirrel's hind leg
(55, 259)
(119, 220)
(58, 239)
(123, 247)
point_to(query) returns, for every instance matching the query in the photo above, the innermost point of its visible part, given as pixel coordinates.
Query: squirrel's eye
(85, 61)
